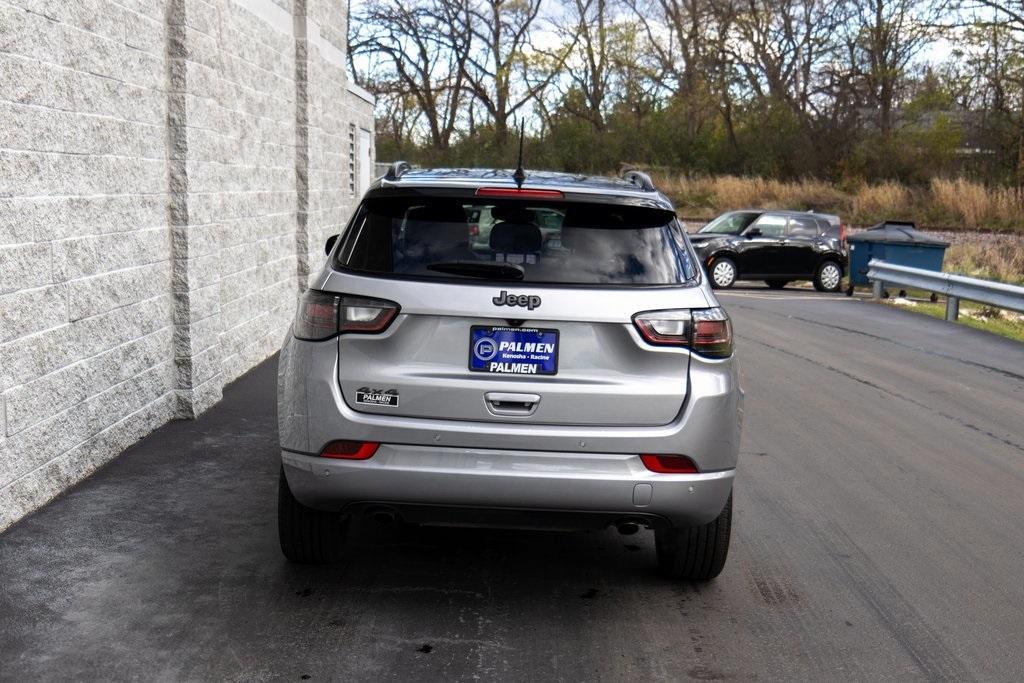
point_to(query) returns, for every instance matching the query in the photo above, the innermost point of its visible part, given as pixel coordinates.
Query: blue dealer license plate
(513, 350)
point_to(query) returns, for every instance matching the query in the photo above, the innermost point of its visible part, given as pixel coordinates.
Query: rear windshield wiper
(481, 269)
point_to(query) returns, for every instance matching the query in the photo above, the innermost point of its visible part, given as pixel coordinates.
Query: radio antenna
(520, 175)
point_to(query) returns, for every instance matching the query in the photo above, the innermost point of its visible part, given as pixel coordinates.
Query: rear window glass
(557, 243)
(804, 227)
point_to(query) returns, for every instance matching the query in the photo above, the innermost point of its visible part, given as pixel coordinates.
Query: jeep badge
(531, 301)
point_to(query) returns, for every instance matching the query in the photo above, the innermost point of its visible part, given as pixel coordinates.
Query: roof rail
(640, 179)
(397, 169)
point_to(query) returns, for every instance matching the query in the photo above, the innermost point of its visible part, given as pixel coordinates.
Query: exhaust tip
(381, 515)
(384, 517)
(627, 528)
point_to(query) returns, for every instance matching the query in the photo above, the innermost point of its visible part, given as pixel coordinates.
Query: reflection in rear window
(558, 243)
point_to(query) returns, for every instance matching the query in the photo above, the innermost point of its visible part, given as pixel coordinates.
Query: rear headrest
(516, 238)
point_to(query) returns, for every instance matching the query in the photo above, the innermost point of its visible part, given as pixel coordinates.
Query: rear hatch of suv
(535, 326)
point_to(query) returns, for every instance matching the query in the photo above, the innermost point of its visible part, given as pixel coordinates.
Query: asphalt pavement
(879, 534)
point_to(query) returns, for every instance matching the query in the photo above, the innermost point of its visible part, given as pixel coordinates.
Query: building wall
(330, 127)
(169, 170)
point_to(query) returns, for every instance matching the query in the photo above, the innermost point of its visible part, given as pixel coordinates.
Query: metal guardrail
(955, 287)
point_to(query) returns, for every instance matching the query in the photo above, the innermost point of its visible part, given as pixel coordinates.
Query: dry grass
(943, 204)
(976, 205)
(708, 195)
(997, 259)
(881, 201)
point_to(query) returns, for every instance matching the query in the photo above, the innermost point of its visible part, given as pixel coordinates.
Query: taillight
(322, 315)
(667, 328)
(474, 229)
(706, 331)
(712, 333)
(669, 464)
(350, 450)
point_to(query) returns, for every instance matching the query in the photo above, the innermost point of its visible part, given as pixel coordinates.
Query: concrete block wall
(328, 203)
(234, 119)
(169, 170)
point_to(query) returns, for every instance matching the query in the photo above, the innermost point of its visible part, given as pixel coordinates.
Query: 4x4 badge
(531, 301)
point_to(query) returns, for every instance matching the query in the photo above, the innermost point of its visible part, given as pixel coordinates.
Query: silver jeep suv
(576, 377)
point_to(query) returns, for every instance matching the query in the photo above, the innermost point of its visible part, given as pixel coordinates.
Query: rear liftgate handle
(514, 405)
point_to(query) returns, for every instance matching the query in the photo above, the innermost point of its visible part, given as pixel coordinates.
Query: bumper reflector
(350, 450)
(669, 464)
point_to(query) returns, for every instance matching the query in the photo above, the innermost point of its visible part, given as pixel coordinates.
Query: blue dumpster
(893, 242)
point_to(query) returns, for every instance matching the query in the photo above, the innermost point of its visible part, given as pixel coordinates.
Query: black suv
(775, 246)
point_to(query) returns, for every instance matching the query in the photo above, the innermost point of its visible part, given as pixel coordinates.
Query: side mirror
(330, 244)
(753, 232)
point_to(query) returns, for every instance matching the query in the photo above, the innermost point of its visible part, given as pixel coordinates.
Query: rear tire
(722, 273)
(307, 536)
(695, 553)
(829, 277)
(776, 284)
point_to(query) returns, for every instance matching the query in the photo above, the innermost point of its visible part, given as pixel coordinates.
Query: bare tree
(886, 36)
(1007, 13)
(590, 67)
(637, 79)
(684, 37)
(988, 76)
(425, 44)
(781, 46)
(398, 117)
(503, 71)
(1005, 21)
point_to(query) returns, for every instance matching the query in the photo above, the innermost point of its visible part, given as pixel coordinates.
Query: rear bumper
(507, 466)
(312, 412)
(605, 487)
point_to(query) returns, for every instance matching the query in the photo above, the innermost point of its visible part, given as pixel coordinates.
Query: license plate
(513, 350)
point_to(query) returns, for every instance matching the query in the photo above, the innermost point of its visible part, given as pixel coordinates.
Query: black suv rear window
(556, 243)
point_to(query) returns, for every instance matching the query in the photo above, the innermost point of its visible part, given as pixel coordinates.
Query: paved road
(879, 535)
